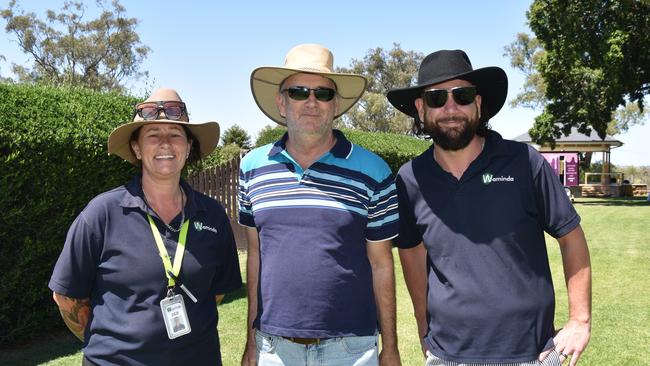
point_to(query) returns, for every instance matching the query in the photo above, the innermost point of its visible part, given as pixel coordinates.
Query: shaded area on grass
(42, 350)
(58, 347)
(618, 201)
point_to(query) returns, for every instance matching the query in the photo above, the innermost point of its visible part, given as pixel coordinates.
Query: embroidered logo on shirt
(200, 227)
(489, 178)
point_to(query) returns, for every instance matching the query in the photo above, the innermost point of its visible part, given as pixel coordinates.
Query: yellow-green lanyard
(180, 250)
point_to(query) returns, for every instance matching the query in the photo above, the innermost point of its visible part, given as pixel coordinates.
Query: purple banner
(553, 160)
(572, 174)
(566, 166)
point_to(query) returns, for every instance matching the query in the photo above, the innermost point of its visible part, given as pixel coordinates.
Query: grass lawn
(617, 232)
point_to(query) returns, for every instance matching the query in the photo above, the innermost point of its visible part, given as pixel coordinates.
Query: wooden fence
(222, 184)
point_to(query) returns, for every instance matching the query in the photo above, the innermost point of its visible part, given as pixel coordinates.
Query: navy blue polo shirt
(490, 294)
(110, 256)
(314, 225)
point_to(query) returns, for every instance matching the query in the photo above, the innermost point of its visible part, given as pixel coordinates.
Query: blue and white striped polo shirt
(315, 278)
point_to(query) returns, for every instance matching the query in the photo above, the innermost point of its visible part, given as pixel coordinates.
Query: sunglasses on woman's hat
(149, 111)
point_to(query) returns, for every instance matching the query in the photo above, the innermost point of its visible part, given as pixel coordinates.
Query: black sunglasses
(436, 98)
(151, 110)
(302, 93)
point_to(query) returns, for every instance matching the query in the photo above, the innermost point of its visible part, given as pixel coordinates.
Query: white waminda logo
(200, 227)
(489, 178)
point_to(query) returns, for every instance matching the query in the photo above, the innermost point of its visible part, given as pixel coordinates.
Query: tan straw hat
(304, 58)
(207, 133)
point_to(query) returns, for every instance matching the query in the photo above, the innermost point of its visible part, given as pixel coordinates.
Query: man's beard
(452, 139)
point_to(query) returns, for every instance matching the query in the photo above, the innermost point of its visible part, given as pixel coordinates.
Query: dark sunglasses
(151, 110)
(302, 93)
(436, 98)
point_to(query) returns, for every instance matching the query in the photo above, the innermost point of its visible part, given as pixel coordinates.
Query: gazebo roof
(576, 141)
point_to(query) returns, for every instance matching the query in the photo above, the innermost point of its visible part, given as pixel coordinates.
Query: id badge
(175, 316)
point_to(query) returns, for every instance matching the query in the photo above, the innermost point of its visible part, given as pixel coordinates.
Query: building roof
(575, 141)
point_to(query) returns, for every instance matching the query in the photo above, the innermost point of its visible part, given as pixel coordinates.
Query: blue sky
(207, 49)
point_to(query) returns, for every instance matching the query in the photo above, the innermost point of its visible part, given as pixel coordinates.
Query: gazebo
(565, 158)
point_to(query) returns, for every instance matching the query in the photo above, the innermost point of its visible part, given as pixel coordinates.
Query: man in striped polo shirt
(320, 214)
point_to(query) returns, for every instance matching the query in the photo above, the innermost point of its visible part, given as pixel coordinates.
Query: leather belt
(305, 341)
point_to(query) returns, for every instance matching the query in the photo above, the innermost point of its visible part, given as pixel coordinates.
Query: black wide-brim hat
(444, 65)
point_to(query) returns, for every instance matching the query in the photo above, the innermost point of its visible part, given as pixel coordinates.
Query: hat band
(312, 69)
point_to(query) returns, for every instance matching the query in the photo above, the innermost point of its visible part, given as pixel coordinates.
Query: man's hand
(252, 276)
(571, 341)
(424, 348)
(250, 353)
(380, 256)
(415, 275)
(389, 358)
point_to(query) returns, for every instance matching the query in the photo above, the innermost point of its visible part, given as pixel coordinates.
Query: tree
(624, 117)
(221, 155)
(269, 134)
(4, 79)
(525, 53)
(100, 54)
(238, 136)
(592, 59)
(384, 70)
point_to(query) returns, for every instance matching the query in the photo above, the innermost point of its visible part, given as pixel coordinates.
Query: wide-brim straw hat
(445, 65)
(305, 58)
(207, 133)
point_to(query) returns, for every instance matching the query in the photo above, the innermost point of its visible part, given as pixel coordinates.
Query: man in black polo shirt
(473, 212)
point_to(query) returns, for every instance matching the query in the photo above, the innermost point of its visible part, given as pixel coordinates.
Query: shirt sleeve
(245, 206)
(227, 276)
(409, 234)
(383, 216)
(74, 271)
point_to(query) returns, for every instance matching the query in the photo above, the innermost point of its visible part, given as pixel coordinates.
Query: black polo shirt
(110, 256)
(490, 294)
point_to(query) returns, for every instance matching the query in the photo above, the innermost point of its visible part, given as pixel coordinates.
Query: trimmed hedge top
(393, 148)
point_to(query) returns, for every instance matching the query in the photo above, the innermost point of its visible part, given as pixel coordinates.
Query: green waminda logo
(487, 179)
(200, 227)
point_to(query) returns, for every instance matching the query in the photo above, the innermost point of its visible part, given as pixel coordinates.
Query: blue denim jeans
(342, 351)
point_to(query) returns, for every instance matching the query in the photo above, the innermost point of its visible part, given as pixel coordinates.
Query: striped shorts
(553, 359)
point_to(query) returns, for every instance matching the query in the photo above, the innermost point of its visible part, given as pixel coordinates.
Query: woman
(144, 264)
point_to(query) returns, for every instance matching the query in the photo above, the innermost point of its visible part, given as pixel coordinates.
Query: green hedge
(269, 134)
(53, 160)
(221, 155)
(394, 149)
